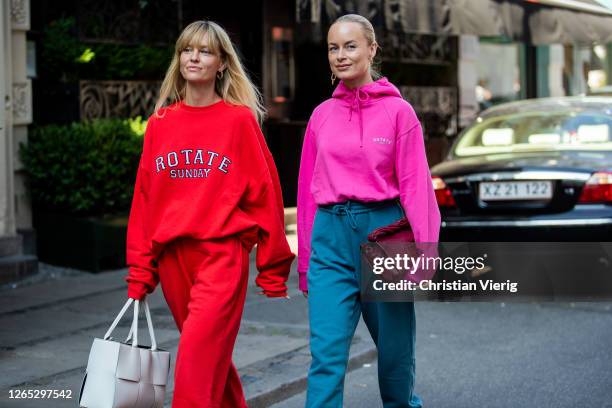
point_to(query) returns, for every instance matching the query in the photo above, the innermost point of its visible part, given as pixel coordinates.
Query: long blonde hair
(234, 87)
(370, 35)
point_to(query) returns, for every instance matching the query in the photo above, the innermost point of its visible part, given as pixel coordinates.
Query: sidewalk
(468, 354)
(48, 323)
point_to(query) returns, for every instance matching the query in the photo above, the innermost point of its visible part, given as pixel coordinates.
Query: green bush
(63, 57)
(86, 168)
(59, 50)
(124, 62)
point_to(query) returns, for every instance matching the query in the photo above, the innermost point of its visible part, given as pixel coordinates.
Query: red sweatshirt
(206, 173)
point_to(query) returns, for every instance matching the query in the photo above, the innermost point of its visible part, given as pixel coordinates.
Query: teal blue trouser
(334, 308)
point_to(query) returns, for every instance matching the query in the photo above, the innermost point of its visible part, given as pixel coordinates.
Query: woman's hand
(305, 293)
(135, 298)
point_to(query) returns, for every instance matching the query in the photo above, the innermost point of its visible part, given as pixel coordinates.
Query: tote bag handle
(134, 327)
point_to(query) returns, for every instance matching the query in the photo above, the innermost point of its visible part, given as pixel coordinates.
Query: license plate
(515, 190)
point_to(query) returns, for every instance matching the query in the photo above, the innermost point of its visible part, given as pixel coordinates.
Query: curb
(297, 385)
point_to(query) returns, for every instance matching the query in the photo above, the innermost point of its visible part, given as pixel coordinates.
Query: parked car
(533, 170)
(603, 91)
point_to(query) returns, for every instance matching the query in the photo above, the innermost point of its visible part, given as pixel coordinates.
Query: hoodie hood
(364, 95)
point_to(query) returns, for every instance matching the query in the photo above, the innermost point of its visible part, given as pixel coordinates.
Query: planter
(89, 243)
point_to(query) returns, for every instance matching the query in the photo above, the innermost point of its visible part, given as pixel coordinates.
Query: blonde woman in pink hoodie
(363, 166)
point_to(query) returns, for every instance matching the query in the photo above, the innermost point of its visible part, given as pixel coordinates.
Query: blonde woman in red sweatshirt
(206, 192)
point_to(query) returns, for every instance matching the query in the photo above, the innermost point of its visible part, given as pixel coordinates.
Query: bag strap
(150, 324)
(118, 318)
(134, 327)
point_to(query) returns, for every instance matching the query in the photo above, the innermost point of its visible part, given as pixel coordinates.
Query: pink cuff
(303, 281)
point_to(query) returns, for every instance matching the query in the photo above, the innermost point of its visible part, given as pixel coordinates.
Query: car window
(537, 131)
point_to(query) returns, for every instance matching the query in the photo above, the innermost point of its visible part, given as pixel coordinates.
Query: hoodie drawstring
(359, 97)
(345, 209)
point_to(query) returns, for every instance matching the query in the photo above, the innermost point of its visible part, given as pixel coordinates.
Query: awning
(549, 21)
(535, 21)
(484, 18)
(570, 22)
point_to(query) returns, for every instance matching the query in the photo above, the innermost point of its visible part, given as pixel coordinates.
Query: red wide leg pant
(204, 283)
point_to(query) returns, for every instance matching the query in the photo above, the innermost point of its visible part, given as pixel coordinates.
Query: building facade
(15, 116)
(450, 59)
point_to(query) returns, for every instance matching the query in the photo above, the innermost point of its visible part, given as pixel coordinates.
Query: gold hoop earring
(220, 74)
(333, 78)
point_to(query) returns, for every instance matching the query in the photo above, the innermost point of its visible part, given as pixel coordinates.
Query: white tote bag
(120, 374)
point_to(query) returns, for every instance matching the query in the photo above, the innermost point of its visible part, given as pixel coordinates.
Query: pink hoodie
(365, 144)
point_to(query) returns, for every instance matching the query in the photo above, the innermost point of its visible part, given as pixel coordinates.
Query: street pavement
(468, 354)
(492, 355)
(48, 322)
